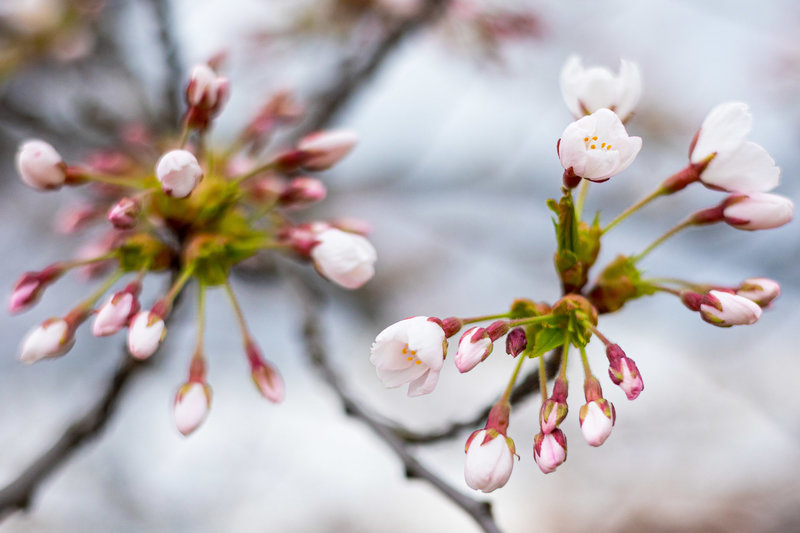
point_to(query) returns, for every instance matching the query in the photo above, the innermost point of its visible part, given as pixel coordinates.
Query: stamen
(409, 358)
(594, 138)
(586, 139)
(593, 147)
(419, 362)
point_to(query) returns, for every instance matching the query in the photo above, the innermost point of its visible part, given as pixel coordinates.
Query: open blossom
(146, 332)
(597, 147)
(115, 313)
(734, 164)
(585, 90)
(410, 351)
(474, 346)
(40, 166)
(326, 148)
(489, 461)
(550, 450)
(597, 419)
(725, 309)
(759, 290)
(179, 173)
(192, 403)
(344, 258)
(53, 338)
(757, 210)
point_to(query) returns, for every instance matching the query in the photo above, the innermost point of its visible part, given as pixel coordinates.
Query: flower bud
(145, 333)
(352, 225)
(179, 173)
(597, 417)
(550, 450)
(724, 309)
(473, 347)
(516, 342)
(53, 338)
(30, 286)
(757, 210)
(116, 312)
(40, 166)
(268, 381)
(489, 461)
(302, 191)
(205, 94)
(344, 258)
(554, 410)
(324, 149)
(192, 403)
(623, 372)
(124, 213)
(759, 290)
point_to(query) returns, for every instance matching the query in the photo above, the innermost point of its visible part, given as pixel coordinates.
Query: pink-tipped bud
(724, 309)
(40, 166)
(324, 149)
(757, 210)
(344, 258)
(516, 342)
(352, 225)
(179, 173)
(116, 312)
(53, 338)
(759, 290)
(124, 213)
(623, 372)
(30, 287)
(146, 331)
(489, 461)
(473, 347)
(550, 450)
(554, 410)
(192, 403)
(302, 238)
(268, 381)
(205, 94)
(75, 218)
(597, 417)
(302, 191)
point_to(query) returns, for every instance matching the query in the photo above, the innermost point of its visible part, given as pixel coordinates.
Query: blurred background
(458, 109)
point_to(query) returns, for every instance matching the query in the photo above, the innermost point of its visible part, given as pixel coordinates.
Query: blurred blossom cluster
(594, 149)
(175, 204)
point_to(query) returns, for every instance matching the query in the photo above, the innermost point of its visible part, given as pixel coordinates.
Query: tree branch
(169, 48)
(480, 511)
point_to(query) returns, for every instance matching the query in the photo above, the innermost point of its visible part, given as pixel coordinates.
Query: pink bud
(352, 225)
(550, 450)
(516, 342)
(268, 381)
(53, 338)
(597, 418)
(757, 210)
(760, 290)
(124, 213)
(192, 403)
(474, 346)
(30, 286)
(40, 166)
(724, 309)
(554, 410)
(302, 191)
(146, 331)
(324, 149)
(489, 461)
(115, 313)
(179, 173)
(623, 372)
(206, 90)
(344, 258)
(75, 218)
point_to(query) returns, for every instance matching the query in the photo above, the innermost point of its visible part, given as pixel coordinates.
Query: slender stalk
(485, 318)
(596, 331)
(89, 302)
(562, 373)
(635, 207)
(68, 265)
(529, 320)
(683, 225)
(114, 180)
(256, 171)
(585, 360)
(581, 198)
(237, 310)
(513, 379)
(542, 378)
(201, 317)
(167, 300)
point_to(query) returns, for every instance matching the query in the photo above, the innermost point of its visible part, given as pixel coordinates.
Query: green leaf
(547, 339)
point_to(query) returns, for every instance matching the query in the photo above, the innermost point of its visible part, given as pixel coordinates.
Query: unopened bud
(550, 450)
(146, 331)
(724, 309)
(473, 347)
(597, 418)
(192, 403)
(268, 381)
(40, 166)
(516, 342)
(124, 213)
(326, 148)
(179, 173)
(623, 372)
(344, 258)
(116, 312)
(759, 290)
(53, 338)
(302, 191)
(757, 210)
(30, 286)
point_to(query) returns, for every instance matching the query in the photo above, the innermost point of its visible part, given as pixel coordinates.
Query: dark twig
(528, 386)
(480, 511)
(169, 48)
(19, 494)
(355, 71)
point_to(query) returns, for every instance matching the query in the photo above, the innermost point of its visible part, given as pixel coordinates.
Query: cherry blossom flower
(725, 309)
(40, 166)
(179, 173)
(53, 338)
(115, 313)
(410, 351)
(489, 461)
(623, 372)
(585, 90)
(473, 347)
(192, 403)
(550, 450)
(326, 148)
(344, 258)
(597, 147)
(268, 381)
(760, 290)
(146, 332)
(597, 419)
(757, 210)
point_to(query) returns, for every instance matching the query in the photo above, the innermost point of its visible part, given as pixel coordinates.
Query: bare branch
(480, 511)
(174, 76)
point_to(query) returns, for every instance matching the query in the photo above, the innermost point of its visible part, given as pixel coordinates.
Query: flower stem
(513, 380)
(201, 318)
(485, 318)
(581, 198)
(114, 180)
(258, 170)
(685, 224)
(529, 320)
(68, 265)
(635, 207)
(89, 302)
(596, 331)
(585, 360)
(562, 373)
(237, 310)
(542, 378)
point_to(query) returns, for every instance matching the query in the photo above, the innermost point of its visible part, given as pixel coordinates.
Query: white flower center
(593, 143)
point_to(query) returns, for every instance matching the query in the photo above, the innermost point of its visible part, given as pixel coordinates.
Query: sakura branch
(594, 149)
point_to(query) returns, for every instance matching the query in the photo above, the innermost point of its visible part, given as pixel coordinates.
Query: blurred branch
(169, 48)
(18, 495)
(355, 72)
(528, 386)
(310, 299)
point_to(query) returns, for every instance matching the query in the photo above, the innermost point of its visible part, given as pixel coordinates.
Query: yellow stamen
(419, 362)
(593, 147)
(409, 358)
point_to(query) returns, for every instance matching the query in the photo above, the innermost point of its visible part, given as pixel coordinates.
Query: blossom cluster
(593, 149)
(173, 204)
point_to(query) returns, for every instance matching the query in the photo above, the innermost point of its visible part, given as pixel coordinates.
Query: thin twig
(169, 49)
(480, 511)
(528, 386)
(355, 72)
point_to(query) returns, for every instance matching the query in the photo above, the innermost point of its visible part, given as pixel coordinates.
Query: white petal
(723, 130)
(749, 168)
(424, 384)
